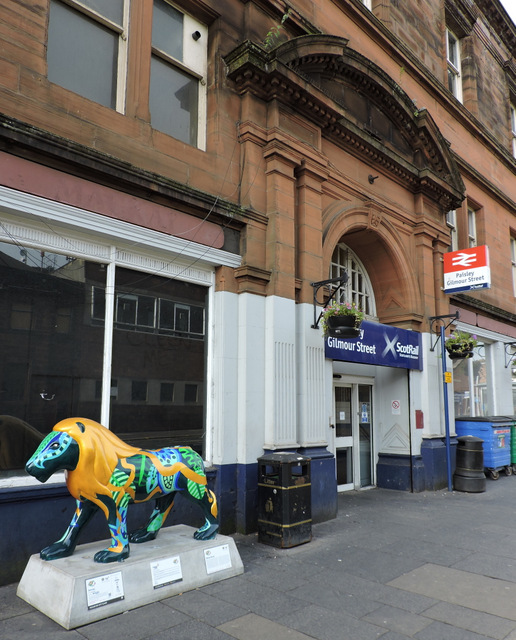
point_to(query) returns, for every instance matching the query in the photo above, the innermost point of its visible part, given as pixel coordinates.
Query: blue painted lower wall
(324, 483)
(34, 517)
(425, 472)
(236, 486)
(433, 452)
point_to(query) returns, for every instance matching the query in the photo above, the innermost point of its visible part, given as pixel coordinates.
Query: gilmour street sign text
(378, 344)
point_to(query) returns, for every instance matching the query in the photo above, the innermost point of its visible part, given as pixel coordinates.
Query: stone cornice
(41, 146)
(476, 304)
(487, 185)
(499, 19)
(282, 75)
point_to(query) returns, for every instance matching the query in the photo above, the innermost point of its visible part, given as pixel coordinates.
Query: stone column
(280, 316)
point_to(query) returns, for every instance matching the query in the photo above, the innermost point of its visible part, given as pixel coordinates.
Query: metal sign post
(446, 381)
(446, 412)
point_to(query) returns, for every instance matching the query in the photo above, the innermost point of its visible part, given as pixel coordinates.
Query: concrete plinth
(75, 591)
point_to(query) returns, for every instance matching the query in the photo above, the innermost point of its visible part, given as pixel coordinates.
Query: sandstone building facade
(178, 179)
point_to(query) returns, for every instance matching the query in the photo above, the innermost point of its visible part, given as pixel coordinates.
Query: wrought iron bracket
(509, 357)
(341, 281)
(436, 320)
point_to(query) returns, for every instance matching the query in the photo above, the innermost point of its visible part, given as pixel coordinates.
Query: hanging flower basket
(460, 345)
(342, 320)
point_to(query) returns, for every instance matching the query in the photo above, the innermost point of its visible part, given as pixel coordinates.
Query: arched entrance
(366, 396)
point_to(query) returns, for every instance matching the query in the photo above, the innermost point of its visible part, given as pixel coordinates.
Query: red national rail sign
(467, 269)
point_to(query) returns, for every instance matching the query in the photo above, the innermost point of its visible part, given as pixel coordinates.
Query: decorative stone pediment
(356, 105)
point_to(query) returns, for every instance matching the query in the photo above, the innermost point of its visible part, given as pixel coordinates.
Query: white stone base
(75, 591)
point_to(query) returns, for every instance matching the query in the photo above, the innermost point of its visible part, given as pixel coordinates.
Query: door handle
(332, 426)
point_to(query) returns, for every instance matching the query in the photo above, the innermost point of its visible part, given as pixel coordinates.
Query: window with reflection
(53, 331)
(454, 64)
(158, 360)
(178, 73)
(86, 45)
(51, 352)
(470, 385)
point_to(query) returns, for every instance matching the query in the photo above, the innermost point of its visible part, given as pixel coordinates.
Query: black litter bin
(284, 499)
(469, 473)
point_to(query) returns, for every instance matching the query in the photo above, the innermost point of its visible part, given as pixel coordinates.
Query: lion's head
(99, 452)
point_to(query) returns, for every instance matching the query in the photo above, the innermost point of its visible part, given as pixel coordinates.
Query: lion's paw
(207, 532)
(106, 555)
(142, 535)
(56, 550)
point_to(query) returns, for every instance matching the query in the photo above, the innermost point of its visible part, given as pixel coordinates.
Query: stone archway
(385, 254)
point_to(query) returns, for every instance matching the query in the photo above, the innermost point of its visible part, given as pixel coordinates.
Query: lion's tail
(213, 501)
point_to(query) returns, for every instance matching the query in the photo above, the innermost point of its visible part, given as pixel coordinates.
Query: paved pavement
(392, 565)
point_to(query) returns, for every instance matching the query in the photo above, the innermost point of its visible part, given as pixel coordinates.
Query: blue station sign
(378, 344)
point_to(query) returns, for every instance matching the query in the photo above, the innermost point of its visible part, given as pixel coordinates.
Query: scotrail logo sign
(467, 269)
(379, 344)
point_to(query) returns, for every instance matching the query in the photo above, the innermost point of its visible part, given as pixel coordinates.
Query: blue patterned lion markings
(103, 472)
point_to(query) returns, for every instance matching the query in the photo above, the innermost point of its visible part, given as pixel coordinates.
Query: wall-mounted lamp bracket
(341, 281)
(437, 321)
(509, 357)
(372, 178)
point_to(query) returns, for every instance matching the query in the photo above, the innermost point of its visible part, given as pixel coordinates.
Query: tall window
(451, 223)
(358, 287)
(453, 59)
(513, 263)
(86, 50)
(472, 228)
(513, 129)
(471, 391)
(178, 74)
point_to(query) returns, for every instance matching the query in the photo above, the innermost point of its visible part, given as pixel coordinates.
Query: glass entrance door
(353, 445)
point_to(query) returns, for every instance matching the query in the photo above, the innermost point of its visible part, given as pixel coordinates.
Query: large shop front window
(53, 335)
(470, 385)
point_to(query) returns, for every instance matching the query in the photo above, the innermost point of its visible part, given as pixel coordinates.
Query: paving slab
(477, 592)
(440, 631)
(253, 627)
(398, 620)
(204, 607)
(318, 622)
(483, 623)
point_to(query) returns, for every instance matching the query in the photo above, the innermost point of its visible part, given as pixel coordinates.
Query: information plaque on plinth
(75, 591)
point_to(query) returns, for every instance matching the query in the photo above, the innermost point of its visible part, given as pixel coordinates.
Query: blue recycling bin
(495, 431)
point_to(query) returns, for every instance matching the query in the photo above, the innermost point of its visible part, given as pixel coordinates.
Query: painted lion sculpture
(103, 472)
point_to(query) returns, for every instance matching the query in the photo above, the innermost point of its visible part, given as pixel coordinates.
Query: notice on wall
(396, 407)
(166, 571)
(103, 590)
(217, 559)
